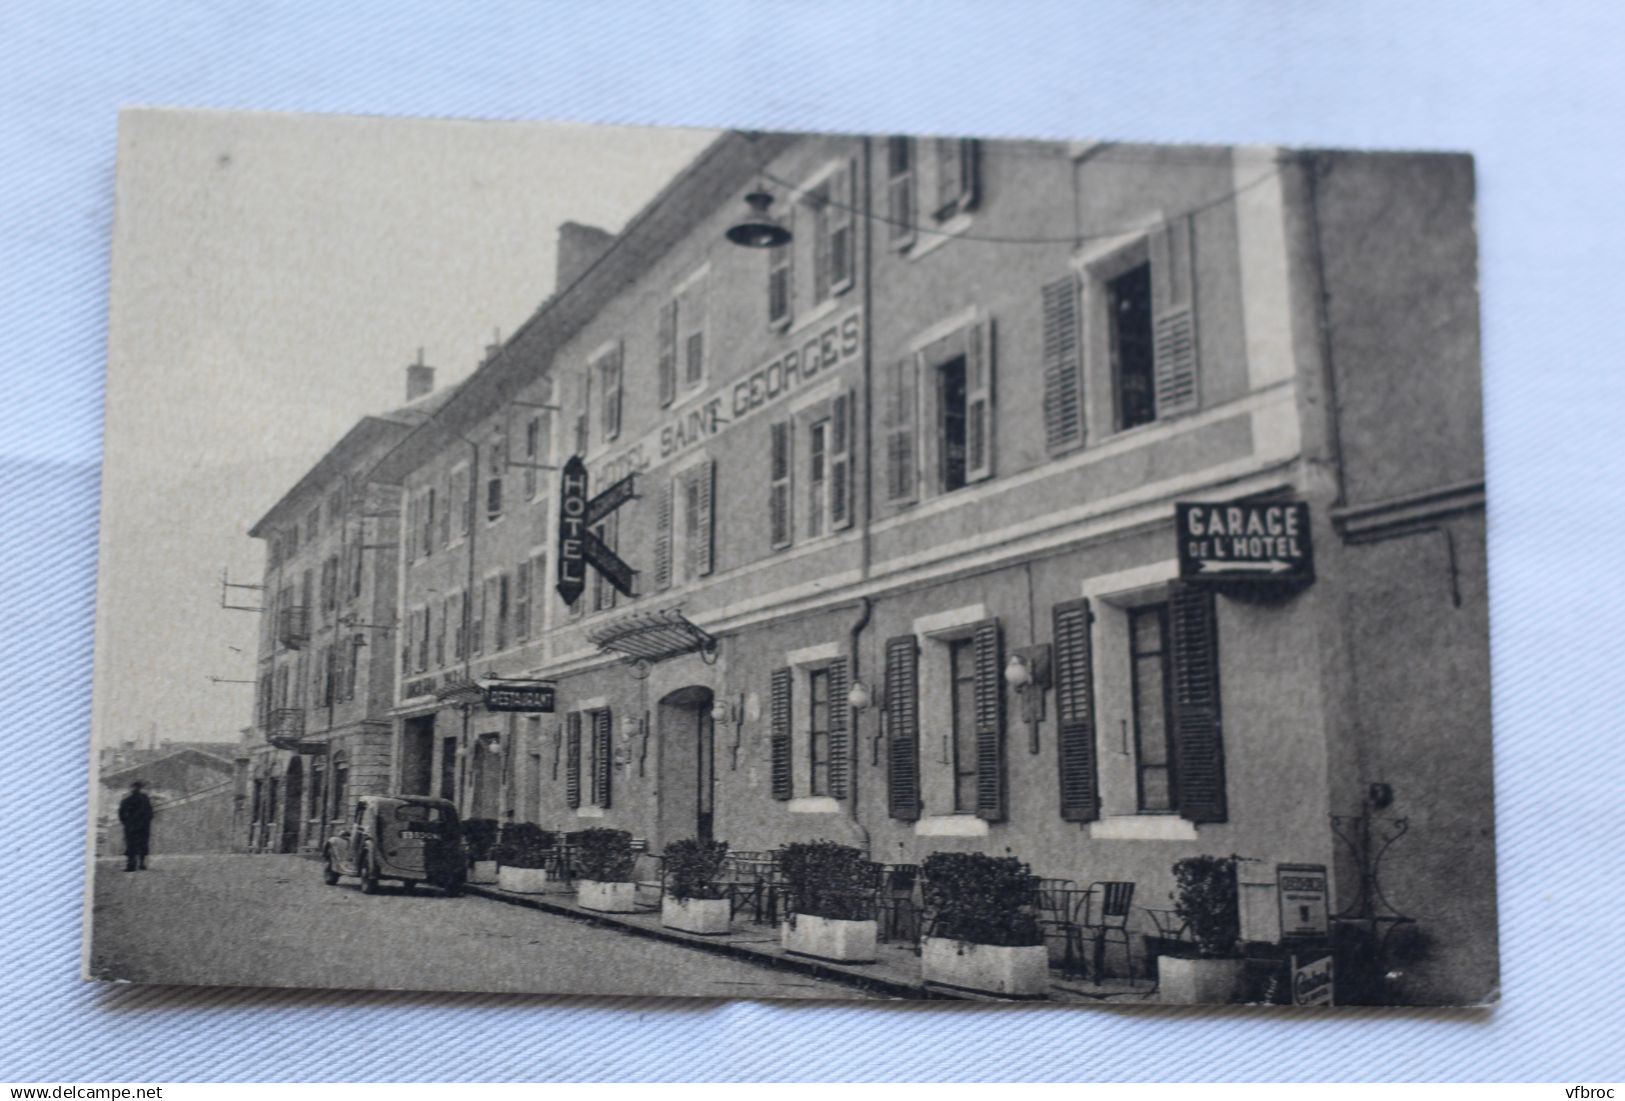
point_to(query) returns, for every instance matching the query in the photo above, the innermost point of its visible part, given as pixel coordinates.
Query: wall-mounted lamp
(758, 229)
(857, 697)
(1027, 671)
(721, 710)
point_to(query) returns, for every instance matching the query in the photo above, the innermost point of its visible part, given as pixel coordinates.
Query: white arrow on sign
(1232, 567)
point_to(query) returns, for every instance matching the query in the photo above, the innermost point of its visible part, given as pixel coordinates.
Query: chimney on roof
(419, 378)
(579, 248)
(494, 347)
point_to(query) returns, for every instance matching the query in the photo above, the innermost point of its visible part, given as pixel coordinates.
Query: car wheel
(407, 885)
(330, 875)
(369, 877)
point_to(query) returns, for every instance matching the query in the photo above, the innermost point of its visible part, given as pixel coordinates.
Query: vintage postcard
(627, 561)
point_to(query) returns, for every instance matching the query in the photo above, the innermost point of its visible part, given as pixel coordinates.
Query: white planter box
(709, 916)
(830, 938)
(990, 968)
(606, 898)
(1197, 982)
(522, 881)
(483, 871)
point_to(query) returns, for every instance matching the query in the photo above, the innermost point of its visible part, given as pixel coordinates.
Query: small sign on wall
(1313, 981)
(1302, 891)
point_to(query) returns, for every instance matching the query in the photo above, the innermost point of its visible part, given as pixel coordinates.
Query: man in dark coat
(135, 814)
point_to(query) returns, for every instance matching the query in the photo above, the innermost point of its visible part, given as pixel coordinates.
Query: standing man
(135, 814)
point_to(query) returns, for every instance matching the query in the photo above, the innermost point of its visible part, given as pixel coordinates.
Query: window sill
(1143, 827)
(589, 812)
(814, 804)
(940, 234)
(951, 825)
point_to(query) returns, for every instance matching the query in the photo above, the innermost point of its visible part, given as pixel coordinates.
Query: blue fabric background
(1526, 87)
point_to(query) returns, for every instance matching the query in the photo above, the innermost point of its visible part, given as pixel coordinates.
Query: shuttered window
(521, 602)
(428, 520)
(1063, 399)
(691, 331)
(781, 279)
(482, 604)
(1075, 707)
(572, 760)
(840, 462)
(778, 505)
(459, 618)
(900, 191)
(902, 728)
(838, 224)
(818, 731)
(463, 502)
(991, 783)
(603, 593)
(699, 523)
(898, 404)
(607, 369)
(663, 532)
(1174, 318)
(533, 442)
(1198, 730)
(780, 735)
(839, 724)
(440, 635)
(666, 342)
(602, 757)
(817, 477)
(979, 402)
(957, 164)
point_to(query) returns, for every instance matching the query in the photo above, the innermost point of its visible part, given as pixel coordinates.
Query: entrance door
(417, 755)
(293, 793)
(687, 744)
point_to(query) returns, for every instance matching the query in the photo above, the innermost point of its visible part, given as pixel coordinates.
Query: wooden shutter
(900, 191)
(693, 332)
(901, 474)
(1063, 400)
(780, 277)
(979, 402)
(663, 517)
(989, 701)
(780, 711)
(840, 461)
(667, 354)
(950, 176)
(778, 505)
(572, 759)
(838, 724)
(702, 529)
(842, 263)
(1173, 316)
(521, 599)
(1198, 739)
(602, 762)
(1075, 708)
(903, 728)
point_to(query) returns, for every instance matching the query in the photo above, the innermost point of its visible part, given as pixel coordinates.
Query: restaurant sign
(519, 697)
(1302, 890)
(1261, 541)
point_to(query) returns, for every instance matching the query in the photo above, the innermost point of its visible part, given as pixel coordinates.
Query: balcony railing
(293, 627)
(287, 731)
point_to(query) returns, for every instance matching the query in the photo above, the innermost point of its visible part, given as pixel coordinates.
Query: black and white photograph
(562, 559)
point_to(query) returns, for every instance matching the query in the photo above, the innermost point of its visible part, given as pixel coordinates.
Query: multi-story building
(908, 574)
(325, 677)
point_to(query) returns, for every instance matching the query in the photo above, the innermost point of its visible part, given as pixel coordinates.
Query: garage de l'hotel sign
(1252, 542)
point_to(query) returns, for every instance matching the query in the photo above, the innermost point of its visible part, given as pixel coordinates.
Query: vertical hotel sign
(578, 546)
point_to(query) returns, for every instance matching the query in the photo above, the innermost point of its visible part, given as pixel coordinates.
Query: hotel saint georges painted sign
(1252, 542)
(578, 546)
(813, 354)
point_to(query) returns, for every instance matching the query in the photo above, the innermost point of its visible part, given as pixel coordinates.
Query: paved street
(235, 920)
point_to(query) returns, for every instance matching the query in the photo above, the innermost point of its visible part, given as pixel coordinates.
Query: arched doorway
(293, 793)
(687, 747)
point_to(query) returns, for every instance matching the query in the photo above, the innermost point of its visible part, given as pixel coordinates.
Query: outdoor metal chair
(1105, 915)
(1058, 903)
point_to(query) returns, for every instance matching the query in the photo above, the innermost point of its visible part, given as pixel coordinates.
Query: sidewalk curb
(872, 984)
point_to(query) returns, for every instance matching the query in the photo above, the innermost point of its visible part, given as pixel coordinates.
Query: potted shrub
(1205, 898)
(694, 901)
(522, 857)
(481, 836)
(984, 934)
(831, 891)
(604, 871)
